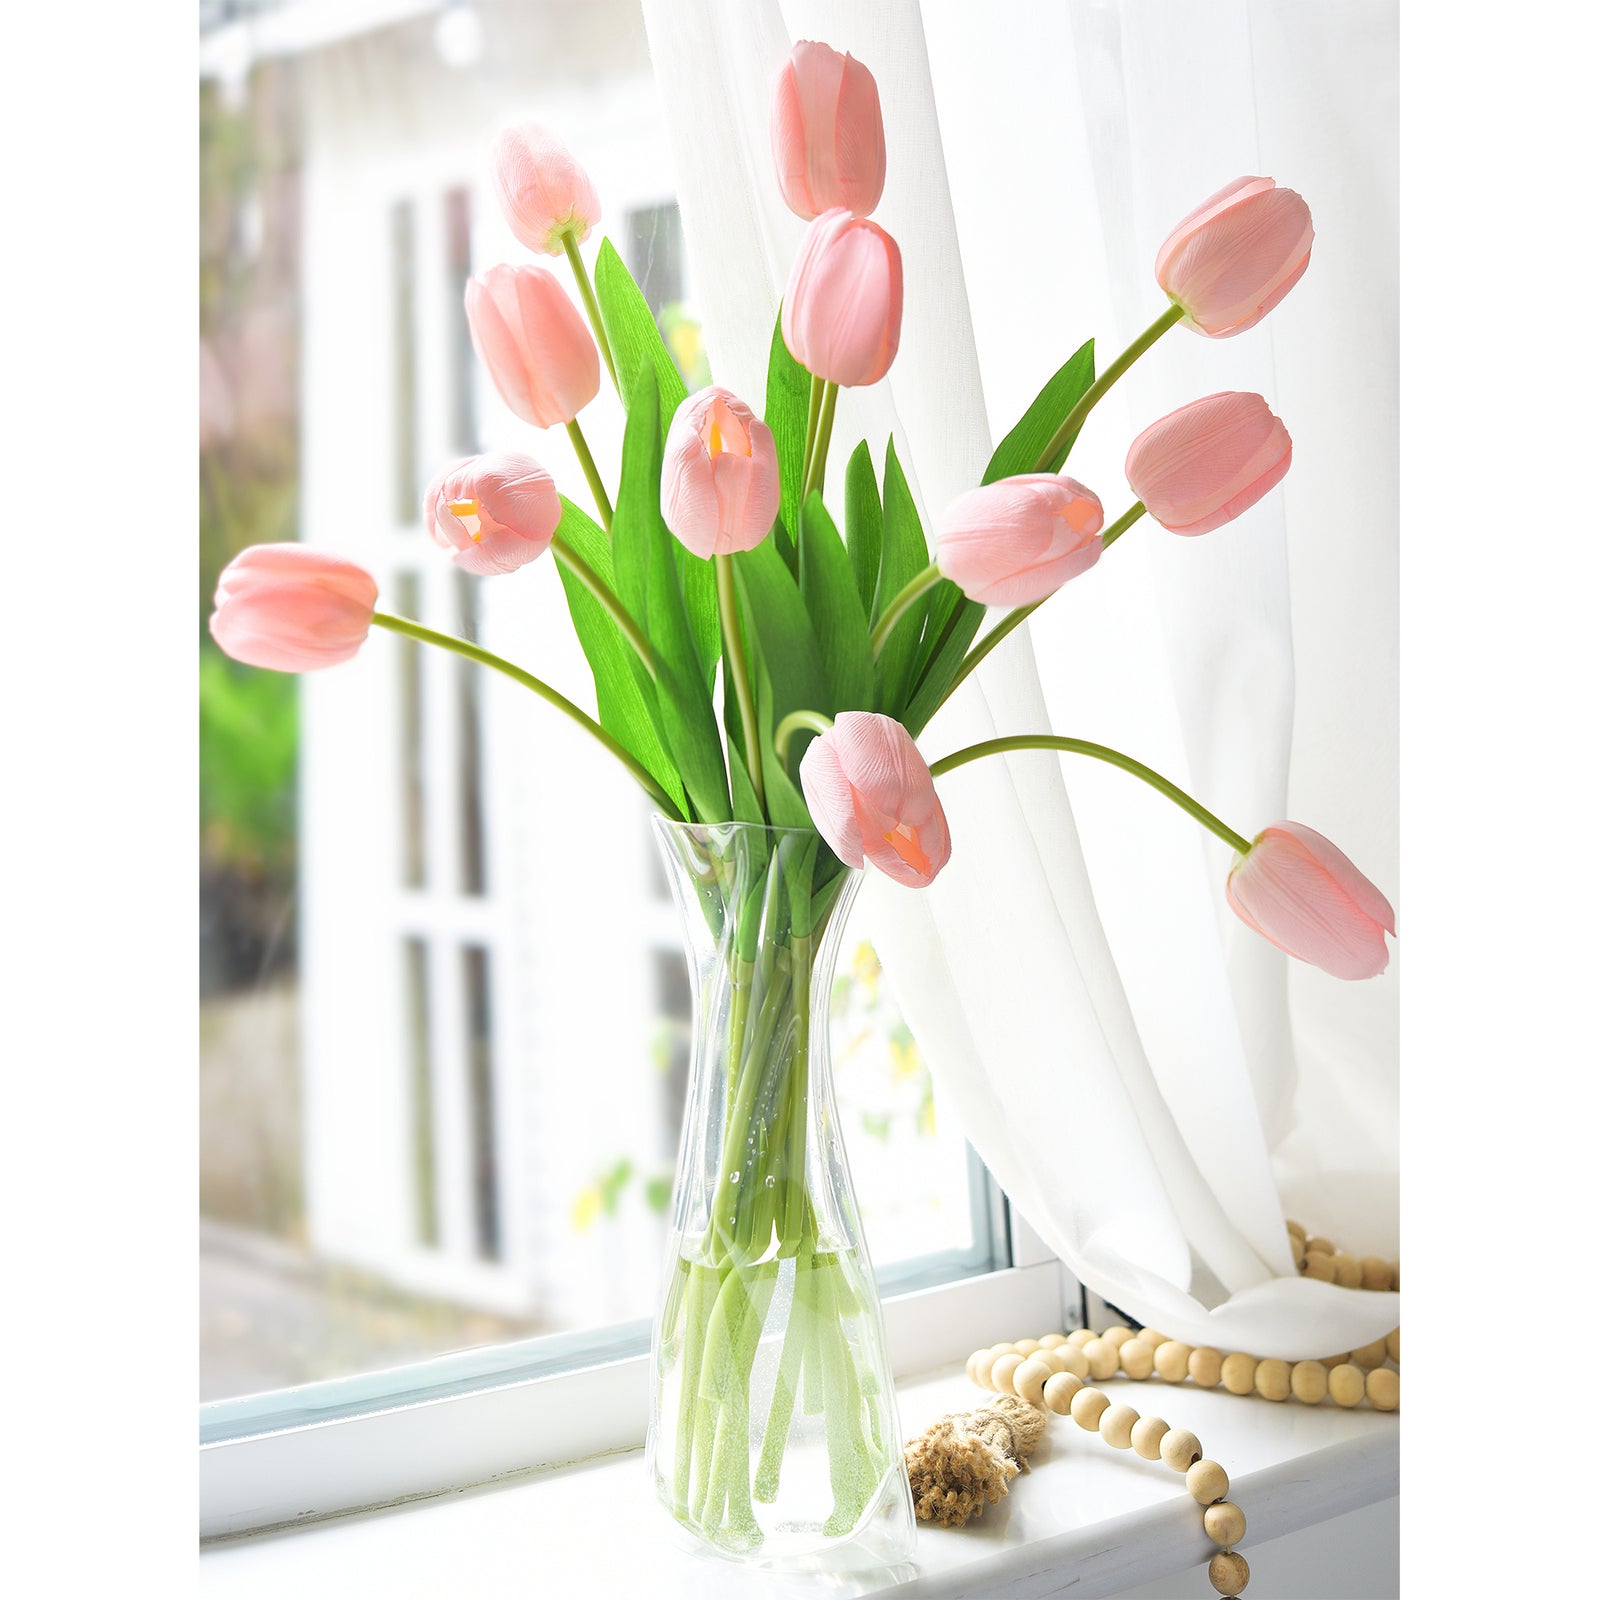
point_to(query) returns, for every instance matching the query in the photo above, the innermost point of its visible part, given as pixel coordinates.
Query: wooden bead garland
(1052, 1373)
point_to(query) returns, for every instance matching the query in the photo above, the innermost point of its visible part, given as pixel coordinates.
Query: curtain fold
(1143, 1076)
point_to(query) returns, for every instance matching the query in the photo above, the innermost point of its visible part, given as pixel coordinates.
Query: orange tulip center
(905, 844)
(725, 435)
(466, 512)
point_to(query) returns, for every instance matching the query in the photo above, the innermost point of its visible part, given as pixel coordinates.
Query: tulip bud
(872, 798)
(1208, 461)
(533, 341)
(1232, 259)
(291, 608)
(841, 311)
(492, 513)
(1015, 541)
(543, 192)
(827, 132)
(1305, 895)
(719, 475)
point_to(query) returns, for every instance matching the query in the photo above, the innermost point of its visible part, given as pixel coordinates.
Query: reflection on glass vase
(773, 1430)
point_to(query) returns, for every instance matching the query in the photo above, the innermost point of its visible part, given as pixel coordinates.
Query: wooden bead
(983, 1367)
(1376, 1273)
(1102, 1359)
(1296, 1231)
(1308, 1381)
(1394, 1270)
(1383, 1389)
(1392, 1342)
(1322, 1246)
(1058, 1392)
(1073, 1360)
(1116, 1426)
(1330, 1362)
(1002, 1372)
(1051, 1340)
(1224, 1524)
(1272, 1379)
(1180, 1449)
(1238, 1373)
(1347, 1272)
(1028, 1381)
(1371, 1355)
(1005, 1348)
(1137, 1358)
(1051, 1356)
(1117, 1336)
(1081, 1336)
(1229, 1572)
(1150, 1337)
(972, 1364)
(1205, 1367)
(1172, 1360)
(1207, 1482)
(1026, 1347)
(1297, 1254)
(1148, 1432)
(1318, 1266)
(1348, 1385)
(1088, 1406)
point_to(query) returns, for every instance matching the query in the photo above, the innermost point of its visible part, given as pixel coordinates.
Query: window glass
(444, 1012)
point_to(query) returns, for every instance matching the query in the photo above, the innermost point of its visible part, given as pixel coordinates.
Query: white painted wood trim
(406, 1450)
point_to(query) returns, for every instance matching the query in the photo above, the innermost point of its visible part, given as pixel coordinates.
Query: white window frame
(479, 1416)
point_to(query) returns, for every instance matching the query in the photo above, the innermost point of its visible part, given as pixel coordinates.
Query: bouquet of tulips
(722, 555)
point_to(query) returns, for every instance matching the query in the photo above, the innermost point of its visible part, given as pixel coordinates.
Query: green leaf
(788, 403)
(624, 697)
(828, 588)
(631, 328)
(635, 337)
(1019, 450)
(786, 662)
(863, 523)
(951, 641)
(905, 554)
(649, 585)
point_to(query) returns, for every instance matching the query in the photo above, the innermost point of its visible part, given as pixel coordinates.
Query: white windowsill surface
(1088, 1521)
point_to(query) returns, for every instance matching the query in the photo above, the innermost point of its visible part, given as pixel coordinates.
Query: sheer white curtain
(1153, 1086)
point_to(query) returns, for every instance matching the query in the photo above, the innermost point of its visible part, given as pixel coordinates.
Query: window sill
(1100, 1521)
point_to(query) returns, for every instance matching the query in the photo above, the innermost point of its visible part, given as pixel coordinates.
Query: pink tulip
(872, 798)
(841, 311)
(719, 477)
(1304, 894)
(492, 513)
(291, 608)
(1015, 541)
(543, 192)
(1208, 461)
(1232, 259)
(827, 132)
(533, 341)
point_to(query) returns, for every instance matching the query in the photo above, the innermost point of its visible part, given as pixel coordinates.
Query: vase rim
(694, 830)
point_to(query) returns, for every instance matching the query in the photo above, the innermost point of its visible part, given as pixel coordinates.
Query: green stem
(817, 466)
(813, 411)
(596, 585)
(1005, 626)
(486, 658)
(597, 486)
(1014, 619)
(792, 724)
(592, 306)
(901, 604)
(1082, 747)
(739, 671)
(1068, 431)
(1122, 524)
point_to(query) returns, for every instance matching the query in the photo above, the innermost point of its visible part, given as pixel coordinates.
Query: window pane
(444, 1010)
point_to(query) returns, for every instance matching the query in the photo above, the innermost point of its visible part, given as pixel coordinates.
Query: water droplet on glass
(771, 1181)
(733, 1177)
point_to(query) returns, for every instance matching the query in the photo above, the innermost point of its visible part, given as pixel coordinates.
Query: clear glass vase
(773, 1431)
